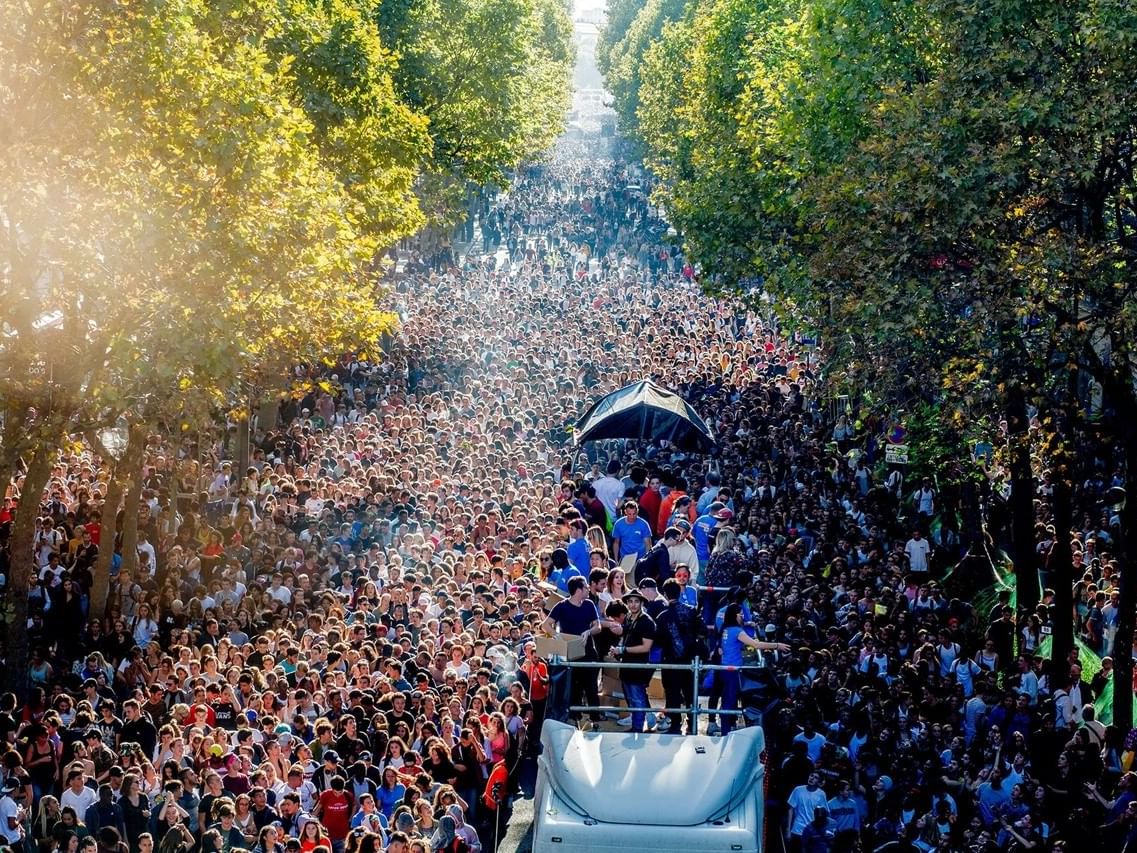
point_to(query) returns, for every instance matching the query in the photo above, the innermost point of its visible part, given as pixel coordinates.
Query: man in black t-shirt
(138, 727)
(399, 713)
(578, 615)
(637, 633)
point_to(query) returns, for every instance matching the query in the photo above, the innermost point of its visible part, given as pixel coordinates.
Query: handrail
(614, 708)
(697, 668)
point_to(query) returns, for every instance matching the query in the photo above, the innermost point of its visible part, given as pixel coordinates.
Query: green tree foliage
(493, 77)
(619, 15)
(171, 223)
(624, 60)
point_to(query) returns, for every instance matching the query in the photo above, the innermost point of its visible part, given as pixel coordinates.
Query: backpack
(678, 623)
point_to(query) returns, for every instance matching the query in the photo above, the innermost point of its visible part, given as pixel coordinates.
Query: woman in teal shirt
(733, 639)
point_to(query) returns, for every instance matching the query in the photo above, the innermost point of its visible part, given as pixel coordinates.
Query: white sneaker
(624, 721)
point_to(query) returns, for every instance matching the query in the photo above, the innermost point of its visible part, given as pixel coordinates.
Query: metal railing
(696, 667)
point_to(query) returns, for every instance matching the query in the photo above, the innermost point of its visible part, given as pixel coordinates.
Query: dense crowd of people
(335, 648)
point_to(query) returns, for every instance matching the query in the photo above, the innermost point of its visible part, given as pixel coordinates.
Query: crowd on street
(335, 648)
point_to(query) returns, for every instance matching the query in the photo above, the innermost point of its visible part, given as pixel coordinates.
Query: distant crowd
(336, 647)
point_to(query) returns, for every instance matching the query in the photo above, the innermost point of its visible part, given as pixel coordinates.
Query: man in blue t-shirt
(578, 547)
(704, 531)
(631, 535)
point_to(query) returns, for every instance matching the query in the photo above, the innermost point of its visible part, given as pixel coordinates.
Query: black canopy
(643, 410)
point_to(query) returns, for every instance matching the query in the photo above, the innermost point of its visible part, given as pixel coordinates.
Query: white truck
(616, 792)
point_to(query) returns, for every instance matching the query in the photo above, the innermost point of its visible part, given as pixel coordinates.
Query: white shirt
(149, 549)
(610, 491)
(917, 551)
(804, 802)
(281, 594)
(684, 553)
(82, 801)
(8, 811)
(925, 501)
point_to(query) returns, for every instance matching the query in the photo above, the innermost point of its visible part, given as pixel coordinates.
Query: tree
(492, 77)
(952, 180)
(170, 225)
(619, 15)
(625, 59)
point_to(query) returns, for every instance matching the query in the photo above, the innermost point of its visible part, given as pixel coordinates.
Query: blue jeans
(636, 697)
(730, 687)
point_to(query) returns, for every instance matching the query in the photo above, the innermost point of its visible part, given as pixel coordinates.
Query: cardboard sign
(896, 454)
(567, 646)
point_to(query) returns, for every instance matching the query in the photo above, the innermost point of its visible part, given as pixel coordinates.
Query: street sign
(896, 454)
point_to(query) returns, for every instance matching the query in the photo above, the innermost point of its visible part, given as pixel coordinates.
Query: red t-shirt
(538, 680)
(335, 813)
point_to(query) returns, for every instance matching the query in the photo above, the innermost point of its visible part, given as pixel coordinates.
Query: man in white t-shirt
(925, 499)
(803, 802)
(77, 795)
(918, 550)
(813, 741)
(610, 489)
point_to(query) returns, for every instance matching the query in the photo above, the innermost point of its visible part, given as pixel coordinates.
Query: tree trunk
(132, 479)
(1022, 502)
(1123, 641)
(22, 568)
(243, 451)
(10, 446)
(1061, 566)
(124, 472)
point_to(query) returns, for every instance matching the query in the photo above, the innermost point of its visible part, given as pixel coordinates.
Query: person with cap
(703, 534)
(635, 631)
(13, 816)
